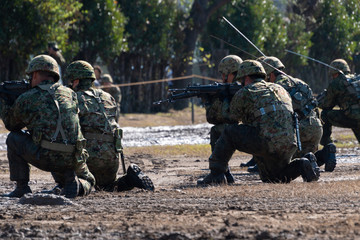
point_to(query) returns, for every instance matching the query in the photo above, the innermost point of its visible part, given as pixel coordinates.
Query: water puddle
(187, 134)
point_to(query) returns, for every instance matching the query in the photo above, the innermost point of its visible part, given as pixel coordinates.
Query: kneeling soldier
(103, 134)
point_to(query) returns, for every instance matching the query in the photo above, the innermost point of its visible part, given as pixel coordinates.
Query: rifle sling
(50, 88)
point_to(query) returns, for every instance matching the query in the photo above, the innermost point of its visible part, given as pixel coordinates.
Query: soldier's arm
(328, 100)
(11, 122)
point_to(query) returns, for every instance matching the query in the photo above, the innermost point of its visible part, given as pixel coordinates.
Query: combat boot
(311, 157)
(136, 178)
(307, 172)
(250, 163)
(72, 185)
(330, 161)
(253, 169)
(212, 179)
(21, 189)
(229, 177)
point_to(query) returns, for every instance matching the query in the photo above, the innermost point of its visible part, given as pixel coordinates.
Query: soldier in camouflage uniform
(53, 141)
(267, 131)
(54, 52)
(216, 106)
(108, 86)
(343, 91)
(304, 105)
(103, 134)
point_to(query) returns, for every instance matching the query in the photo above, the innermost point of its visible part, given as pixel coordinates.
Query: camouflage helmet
(261, 58)
(339, 64)
(79, 70)
(251, 67)
(43, 63)
(106, 78)
(272, 61)
(229, 64)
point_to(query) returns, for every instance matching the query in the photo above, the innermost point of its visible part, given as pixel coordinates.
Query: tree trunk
(200, 12)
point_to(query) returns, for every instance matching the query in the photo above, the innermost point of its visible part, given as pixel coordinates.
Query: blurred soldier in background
(98, 71)
(304, 104)
(103, 134)
(267, 131)
(54, 51)
(344, 91)
(53, 141)
(216, 107)
(115, 92)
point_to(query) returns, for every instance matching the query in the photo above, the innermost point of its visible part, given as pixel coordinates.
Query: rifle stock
(217, 89)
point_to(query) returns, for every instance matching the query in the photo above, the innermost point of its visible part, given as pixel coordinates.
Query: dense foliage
(136, 40)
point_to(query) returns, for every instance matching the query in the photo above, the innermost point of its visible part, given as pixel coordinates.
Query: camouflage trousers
(215, 133)
(273, 167)
(311, 131)
(103, 163)
(340, 119)
(22, 151)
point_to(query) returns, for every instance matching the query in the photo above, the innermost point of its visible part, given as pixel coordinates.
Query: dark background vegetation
(136, 40)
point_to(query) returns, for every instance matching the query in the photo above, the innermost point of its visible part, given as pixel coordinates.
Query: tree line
(139, 39)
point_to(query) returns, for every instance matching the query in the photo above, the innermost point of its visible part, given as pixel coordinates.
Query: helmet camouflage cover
(43, 63)
(106, 78)
(79, 70)
(251, 67)
(272, 61)
(341, 65)
(229, 64)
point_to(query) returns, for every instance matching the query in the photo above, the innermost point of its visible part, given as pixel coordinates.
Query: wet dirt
(178, 209)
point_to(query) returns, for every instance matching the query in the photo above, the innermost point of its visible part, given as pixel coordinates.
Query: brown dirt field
(178, 209)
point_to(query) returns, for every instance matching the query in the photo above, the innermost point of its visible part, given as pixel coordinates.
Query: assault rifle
(11, 90)
(216, 89)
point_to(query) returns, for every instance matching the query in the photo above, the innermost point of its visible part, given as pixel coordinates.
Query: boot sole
(139, 178)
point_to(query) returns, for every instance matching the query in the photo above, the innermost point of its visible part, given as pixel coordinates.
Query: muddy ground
(178, 209)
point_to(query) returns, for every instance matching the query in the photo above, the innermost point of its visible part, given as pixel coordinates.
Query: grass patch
(199, 150)
(345, 137)
(346, 144)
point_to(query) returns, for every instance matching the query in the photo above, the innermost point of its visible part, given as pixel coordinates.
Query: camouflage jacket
(115, 92)
(339, 93)
(37, 111)
(254, 104)
(217, 109)
(301, 94)
(92, 118)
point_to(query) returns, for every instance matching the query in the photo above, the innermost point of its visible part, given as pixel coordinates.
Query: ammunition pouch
(118, 134)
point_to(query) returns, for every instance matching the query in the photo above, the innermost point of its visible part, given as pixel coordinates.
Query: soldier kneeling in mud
(53, 141)
(102, 132)
(267, 132)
